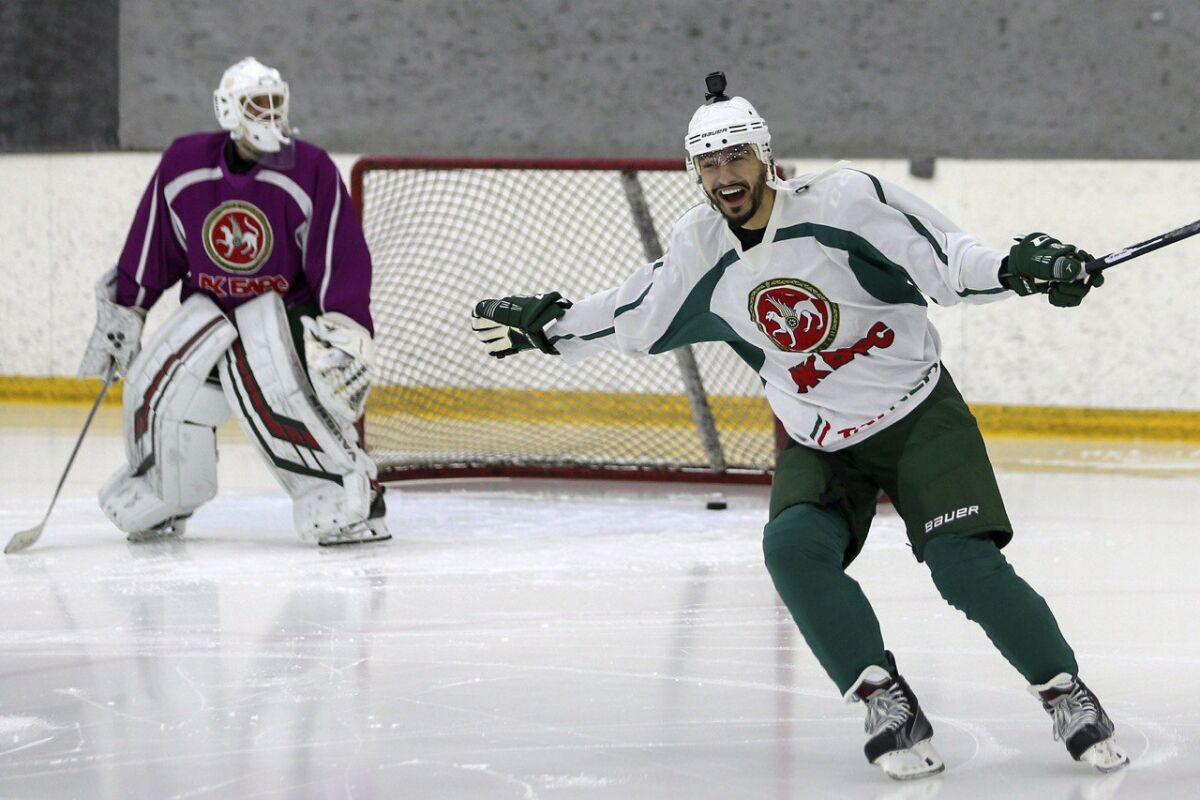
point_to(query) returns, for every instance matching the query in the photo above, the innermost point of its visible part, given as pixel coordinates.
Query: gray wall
(58, 75)
(902, 78)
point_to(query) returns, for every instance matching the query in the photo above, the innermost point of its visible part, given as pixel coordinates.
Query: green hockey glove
(1068, 295)
(509, 325)
(1041, 264)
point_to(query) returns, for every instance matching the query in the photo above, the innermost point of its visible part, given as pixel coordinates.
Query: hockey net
(445, 233)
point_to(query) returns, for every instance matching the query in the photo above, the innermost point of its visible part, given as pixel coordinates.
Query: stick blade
(23, 539)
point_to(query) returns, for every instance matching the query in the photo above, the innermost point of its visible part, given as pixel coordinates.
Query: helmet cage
(724, 133)
(252, 104)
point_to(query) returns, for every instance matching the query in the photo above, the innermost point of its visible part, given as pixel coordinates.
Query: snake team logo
(237, 236)
(794, 314)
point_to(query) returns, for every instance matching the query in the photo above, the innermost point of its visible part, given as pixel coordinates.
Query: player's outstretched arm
(508, 325)
(1038, 263)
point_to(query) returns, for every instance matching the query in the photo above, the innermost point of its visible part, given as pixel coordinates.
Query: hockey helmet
(724, 122)
(251, 102)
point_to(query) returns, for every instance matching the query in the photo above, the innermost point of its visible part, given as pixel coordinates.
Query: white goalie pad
(170, 413)
(327, 475)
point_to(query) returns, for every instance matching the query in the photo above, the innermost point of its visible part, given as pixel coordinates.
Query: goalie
(274, 325)
(821, 285)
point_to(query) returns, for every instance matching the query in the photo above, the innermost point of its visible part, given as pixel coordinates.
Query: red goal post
(445, 232)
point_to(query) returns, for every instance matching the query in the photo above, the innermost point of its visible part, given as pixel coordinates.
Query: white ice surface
(551, 640)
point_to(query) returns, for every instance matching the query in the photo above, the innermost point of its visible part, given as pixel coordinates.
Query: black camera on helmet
(715, 83)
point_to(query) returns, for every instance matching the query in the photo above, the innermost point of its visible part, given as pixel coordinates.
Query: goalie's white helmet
(251, 102)
(724, 122)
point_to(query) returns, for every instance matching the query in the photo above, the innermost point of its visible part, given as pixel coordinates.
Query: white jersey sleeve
(946, 264)
(636, 316)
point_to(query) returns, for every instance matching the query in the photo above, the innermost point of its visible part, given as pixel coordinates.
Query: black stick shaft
(1141, 248)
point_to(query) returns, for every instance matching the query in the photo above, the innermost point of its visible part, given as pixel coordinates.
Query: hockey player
(274, 324)
(821, 285)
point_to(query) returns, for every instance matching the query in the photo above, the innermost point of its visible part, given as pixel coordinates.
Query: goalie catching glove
(340, 355)
(1039, 263)
(509, 325)
(117, 337)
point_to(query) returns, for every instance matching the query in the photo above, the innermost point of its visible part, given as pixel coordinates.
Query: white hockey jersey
(830, 309)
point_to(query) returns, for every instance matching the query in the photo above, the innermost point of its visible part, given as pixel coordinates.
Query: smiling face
(735, 181)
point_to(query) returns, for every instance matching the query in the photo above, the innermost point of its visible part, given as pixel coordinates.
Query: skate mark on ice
(987, 749)
(1163, 747)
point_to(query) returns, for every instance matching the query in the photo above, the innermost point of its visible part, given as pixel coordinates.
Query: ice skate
(1080, 722)
(900, 735)
(372, 529)
(173, 528)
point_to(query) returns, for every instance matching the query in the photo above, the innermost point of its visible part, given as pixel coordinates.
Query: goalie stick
(23, 539)
(1141, 248)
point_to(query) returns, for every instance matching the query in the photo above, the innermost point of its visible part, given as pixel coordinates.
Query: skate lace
(1072, 712)
(887, 710)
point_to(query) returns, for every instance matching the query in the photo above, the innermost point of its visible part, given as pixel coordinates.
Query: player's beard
(750, 207)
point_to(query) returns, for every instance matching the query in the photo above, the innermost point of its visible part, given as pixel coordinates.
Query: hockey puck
(716, 503)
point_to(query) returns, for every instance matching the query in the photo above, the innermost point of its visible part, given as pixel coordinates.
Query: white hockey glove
(117, 337)
(340, 355)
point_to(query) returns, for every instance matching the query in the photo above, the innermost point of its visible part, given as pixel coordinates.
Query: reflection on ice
(555, 640)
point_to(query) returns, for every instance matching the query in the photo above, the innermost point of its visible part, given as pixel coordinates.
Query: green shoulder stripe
(695, 321)
(918, 226)
(882, 278)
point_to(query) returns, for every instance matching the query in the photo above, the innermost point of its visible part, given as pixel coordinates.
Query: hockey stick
(1141, 248)
(23, 539)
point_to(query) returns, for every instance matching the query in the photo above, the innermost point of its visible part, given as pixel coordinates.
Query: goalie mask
(723, 123)
(251, 102)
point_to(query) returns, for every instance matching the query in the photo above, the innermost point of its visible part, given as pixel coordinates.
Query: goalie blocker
(173, 404)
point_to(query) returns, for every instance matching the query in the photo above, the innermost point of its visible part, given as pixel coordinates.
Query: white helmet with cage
(251, 102)
(724, 122)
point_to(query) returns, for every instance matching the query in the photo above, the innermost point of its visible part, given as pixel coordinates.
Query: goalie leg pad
(325, 472)
(170, 415)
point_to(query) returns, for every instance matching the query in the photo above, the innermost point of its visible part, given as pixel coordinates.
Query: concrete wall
(859, 78)
(58, 75)
(1130, 346)
(985, 79)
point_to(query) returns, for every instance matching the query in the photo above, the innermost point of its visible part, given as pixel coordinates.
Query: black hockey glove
(1039, 264)
(509, 325)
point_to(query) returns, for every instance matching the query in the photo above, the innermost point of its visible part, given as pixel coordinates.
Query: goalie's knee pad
(170, 412)
(326, 473)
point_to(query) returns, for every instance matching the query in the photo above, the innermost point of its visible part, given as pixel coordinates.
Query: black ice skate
(900, 735)
(1080, 722)
(173, 528)
(372, 529)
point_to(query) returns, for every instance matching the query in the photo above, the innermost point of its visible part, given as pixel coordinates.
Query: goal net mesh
(444, 234)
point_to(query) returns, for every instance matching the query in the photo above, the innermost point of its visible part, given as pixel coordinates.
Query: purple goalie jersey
(233, 237)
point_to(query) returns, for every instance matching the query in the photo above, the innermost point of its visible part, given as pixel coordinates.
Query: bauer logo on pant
(950, 516)
(794, 314)
(237, 236)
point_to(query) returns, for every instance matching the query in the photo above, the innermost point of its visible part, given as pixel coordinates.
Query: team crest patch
(238, 236)
(794, 314)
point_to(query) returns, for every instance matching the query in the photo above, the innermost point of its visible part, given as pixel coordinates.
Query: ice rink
(544, 640)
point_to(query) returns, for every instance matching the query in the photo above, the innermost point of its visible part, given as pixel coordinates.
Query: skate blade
(370, 530)
(167, 533)
(341, 540)
(1106, 756)
(918, 761)
(368, 533)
